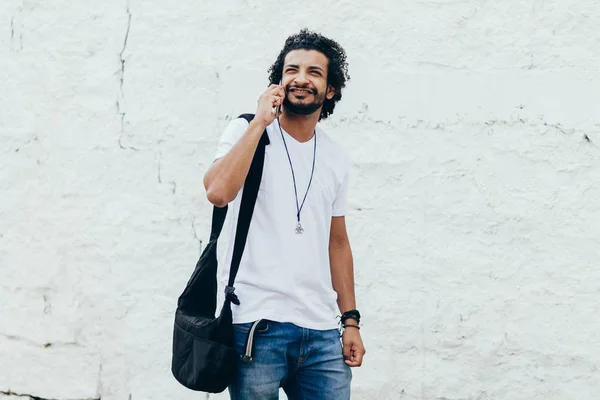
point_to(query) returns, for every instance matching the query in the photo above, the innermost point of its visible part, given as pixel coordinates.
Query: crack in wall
(128, 310)
(172, 183)
(442, 65)
(47, 305)
(423, 360)
(196, 235)
(569, 131)
(36, 344)
(16, 30)
(400, 122)
(120, 111)
(99, 381)
(33, 397)
(158, 173)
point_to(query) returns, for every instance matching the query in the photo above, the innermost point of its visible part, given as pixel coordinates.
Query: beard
(304, 108)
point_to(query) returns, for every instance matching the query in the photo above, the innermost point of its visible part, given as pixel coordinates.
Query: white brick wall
(474, 132)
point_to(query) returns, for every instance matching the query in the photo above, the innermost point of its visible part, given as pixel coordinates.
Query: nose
(300, 79)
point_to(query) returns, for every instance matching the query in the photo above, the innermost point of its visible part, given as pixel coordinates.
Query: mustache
(312, 90)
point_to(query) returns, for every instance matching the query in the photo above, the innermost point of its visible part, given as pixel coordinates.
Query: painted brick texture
(473, 128)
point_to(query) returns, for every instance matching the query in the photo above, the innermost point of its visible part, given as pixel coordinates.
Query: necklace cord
(299, 207)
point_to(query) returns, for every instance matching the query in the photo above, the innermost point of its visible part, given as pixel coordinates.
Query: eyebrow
(312, 67)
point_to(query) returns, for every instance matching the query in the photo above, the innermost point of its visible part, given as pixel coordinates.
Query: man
(297, 261)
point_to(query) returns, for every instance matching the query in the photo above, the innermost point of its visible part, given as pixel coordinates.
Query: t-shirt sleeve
(341, 199)
(232, 133)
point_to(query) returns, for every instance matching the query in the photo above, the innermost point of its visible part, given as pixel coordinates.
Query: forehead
(306, 58)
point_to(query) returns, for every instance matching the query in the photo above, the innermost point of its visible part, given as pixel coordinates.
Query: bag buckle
(231, 296)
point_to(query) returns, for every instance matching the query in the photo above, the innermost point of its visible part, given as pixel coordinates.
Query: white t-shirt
(285, 276)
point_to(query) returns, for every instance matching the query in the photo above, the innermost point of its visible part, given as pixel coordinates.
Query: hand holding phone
(269, 104)
(277, 109)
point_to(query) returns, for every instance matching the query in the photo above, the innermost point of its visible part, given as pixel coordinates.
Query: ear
(330, 92)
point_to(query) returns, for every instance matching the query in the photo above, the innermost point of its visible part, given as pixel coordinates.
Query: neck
(300, 127)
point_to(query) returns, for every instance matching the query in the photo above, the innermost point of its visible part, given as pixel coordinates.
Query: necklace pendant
(299, 229)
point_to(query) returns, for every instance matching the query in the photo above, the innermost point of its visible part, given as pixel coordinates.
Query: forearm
(342, 275)
(225, 177)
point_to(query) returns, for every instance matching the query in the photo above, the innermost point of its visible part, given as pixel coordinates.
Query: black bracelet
(352, 314)
(351, 326)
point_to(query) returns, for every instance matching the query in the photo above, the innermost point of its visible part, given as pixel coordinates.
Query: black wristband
(351, 326)
(352, 314)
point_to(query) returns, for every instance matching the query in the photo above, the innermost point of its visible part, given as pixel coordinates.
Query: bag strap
(249, 195)
(218, 220)
(219, 213)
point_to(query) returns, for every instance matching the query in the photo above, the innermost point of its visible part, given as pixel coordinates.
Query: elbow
(213, 194)
(218, 191)
(215, 198)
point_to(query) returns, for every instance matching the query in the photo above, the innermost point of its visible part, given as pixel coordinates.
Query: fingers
(278, 91)
(268, 103)
(356, 356)
(272, 89)
(274, 94)
(276, 102)
(347, 351)
(275, 90)
(353, 348)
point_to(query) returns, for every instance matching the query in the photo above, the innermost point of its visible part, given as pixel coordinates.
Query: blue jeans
(306, 363)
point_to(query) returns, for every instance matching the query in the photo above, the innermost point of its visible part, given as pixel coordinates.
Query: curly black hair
(337, 75)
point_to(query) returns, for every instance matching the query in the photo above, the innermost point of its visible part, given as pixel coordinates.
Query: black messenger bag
(203, 355)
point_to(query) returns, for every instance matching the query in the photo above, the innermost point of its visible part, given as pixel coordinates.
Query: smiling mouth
(301, 91)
